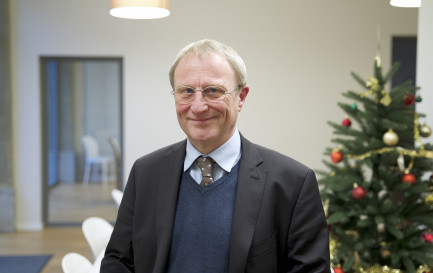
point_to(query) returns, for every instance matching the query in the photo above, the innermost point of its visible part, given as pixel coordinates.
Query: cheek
(229, 112)
(224, 108)
(232, 106)
(230, 103)
(180, 109)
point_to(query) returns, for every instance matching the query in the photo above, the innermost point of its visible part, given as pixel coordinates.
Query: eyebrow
(216, 85)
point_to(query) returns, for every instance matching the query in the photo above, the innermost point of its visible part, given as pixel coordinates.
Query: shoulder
(155, 157)
(259, 154)
(273, 161)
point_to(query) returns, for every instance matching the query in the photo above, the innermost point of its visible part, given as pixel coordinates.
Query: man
(251, 210)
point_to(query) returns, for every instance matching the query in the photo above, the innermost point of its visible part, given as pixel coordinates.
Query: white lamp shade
(406, 3)
(140, 9)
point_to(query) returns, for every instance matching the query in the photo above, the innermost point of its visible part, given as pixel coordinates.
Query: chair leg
(86, 174)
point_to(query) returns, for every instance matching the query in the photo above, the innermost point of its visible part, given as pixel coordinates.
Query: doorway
(404, 51)
(80, 96)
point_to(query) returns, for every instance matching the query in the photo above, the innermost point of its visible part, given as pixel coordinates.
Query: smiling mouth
(200, 120)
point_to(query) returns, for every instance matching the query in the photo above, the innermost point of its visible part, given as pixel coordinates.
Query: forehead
(200, 69)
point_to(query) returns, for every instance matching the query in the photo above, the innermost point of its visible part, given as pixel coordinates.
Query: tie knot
(206, 165)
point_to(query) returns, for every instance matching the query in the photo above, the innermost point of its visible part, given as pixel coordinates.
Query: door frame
(44, 124)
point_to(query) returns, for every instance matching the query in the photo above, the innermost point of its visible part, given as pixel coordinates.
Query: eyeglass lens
(211, 93)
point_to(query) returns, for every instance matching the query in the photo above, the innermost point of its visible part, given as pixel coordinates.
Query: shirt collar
(225, 156)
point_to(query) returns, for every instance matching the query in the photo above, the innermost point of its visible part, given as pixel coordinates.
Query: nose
(199, 103)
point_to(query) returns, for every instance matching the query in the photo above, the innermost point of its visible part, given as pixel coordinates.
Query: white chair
(117, 196)
(92, 158)
(75, 263)
(96, 266)
(97, 232)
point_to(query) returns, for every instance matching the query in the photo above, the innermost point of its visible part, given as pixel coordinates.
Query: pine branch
(392, 71)
(349, 131)
(420, 256)
(408, 264)
(358, 79)
(378, 74)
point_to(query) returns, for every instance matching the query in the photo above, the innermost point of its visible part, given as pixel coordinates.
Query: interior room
(71, 69)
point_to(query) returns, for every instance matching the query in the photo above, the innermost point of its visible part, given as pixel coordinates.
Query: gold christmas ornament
(390, 138)
(385, 253)
(386, 98)
(372, 84)
(380, 227)
(373, 89)
(428, 200)
(384, 250)
(425, 130)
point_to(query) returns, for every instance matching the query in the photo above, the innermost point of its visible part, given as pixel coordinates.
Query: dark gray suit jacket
(278, 225)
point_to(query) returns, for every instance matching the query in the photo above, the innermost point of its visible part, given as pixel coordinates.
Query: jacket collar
(249, 194)
(168, 188)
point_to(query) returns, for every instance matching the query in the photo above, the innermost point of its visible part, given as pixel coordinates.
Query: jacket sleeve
(308, 238)
(119, 256)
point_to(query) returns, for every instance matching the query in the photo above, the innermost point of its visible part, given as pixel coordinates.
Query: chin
(201, 136)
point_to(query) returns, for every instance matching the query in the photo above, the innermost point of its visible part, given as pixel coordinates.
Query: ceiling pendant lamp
(140, 9)
(406, 3)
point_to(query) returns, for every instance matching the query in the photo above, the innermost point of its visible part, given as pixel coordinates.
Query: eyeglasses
(186, 94)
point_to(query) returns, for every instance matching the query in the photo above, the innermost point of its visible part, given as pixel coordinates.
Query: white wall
(424, 67)
(299, 56)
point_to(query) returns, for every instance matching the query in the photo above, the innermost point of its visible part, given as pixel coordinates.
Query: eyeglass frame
(203, 94)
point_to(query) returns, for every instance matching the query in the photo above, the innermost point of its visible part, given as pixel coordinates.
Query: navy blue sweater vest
(202, 226)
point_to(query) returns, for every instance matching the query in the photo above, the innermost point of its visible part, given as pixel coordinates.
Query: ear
(242, 96)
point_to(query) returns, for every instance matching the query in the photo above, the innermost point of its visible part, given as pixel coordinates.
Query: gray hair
(208, 47)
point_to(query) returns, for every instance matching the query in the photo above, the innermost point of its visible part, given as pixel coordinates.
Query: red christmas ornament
(358, 193)
(428, 237)
(336, 156)
(338, 270)
(346, 122)
(409, 99)
(408, 178)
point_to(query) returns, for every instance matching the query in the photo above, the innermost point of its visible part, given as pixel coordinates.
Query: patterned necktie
(206, 165)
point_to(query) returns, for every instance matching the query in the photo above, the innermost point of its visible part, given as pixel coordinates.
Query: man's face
(208, 125)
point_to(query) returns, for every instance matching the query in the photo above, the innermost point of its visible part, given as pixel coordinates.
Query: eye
(186, 90)
(213, 90)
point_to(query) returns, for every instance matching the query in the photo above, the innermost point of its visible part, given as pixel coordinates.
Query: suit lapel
(168, 189)
(251, 182)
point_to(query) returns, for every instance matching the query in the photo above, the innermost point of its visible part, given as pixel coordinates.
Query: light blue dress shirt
(226, 157)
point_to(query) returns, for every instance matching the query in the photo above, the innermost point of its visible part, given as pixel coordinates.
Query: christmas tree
(378, 192)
